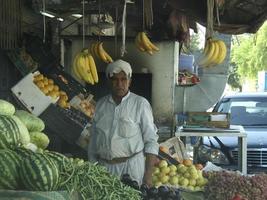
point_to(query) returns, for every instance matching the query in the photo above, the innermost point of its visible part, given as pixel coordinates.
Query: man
(123, 134)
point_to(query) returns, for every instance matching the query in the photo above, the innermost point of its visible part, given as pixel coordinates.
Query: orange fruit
(187, 162)
(164, 149)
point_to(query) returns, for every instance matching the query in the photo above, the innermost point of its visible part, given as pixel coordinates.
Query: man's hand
(147, 179)
(151, 159)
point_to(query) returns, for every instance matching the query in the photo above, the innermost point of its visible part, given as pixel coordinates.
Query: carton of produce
(175, 148)
(84, 104)
(31, 96)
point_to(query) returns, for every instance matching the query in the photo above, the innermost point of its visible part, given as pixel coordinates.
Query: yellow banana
(81, 66)
(109, 59)
(74, 67)
(153, 47)
(82, 69)
(93, 68)
(216, 53)
(138, 43)
(102, 53)
(145, 43)
(206, 58)
(223, 51)
(107, 56)
(92, 51)
(88, 70)
(96, 50)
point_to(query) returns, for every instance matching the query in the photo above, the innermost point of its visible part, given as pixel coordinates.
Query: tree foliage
(249, 55)
(234, 78)
(193, 46)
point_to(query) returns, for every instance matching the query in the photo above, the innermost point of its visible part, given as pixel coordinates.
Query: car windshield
(249, 111)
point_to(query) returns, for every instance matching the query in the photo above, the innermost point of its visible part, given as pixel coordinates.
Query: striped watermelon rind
(9, 163)
(22, 153)
(58, 158)
(24, 136)
(9, 133)
(39, 173)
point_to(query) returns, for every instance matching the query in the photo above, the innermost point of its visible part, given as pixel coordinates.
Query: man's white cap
(118, 66)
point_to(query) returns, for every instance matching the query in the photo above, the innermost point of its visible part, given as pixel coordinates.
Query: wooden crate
(208, 119)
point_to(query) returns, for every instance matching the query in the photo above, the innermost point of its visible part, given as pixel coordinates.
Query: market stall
(44, 134)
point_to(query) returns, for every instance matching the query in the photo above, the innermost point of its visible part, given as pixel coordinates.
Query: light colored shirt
(122, 130)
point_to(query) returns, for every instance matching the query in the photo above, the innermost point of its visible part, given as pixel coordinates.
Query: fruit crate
(208, 119)
(31, 96)
(173, 150)
(66, 82)
(22, 61)
(68, 124)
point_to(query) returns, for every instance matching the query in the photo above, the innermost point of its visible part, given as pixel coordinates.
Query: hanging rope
(143, 15)
(217, 13)
(209, 29)
(123, 47)
(44, 28)
(148, 13)
(98, 20)
(116, 31)
(83, 26)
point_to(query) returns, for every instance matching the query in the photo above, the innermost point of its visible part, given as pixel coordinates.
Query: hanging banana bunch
(144, 44)
(97, 50)
(215, 50)
(214, 53)
(84, 67)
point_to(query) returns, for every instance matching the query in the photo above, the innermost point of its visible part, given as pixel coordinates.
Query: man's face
(120, 84)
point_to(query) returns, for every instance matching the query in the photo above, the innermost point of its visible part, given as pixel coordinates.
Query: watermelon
(6, 108)
(39, 173)
(24, 137)
(9, 132)
(58, 158)
(9, 163)
(60, 161)
(23, 152)
(32, 122)
(13, 132)
(40, 139)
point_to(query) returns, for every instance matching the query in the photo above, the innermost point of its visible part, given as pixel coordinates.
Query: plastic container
(186, 63)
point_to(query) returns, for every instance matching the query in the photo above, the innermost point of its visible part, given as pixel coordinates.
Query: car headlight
(215, 156)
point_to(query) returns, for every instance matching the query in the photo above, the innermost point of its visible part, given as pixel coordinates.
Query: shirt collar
(124, 98)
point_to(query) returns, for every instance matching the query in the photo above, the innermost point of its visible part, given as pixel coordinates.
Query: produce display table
(233, 131)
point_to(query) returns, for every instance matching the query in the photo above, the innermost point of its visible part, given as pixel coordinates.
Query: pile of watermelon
(26, 164)
(22, 161)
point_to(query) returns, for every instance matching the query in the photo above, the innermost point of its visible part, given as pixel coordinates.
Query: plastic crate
(25, 64)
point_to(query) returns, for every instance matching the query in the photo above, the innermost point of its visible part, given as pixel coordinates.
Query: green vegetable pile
(94, 182)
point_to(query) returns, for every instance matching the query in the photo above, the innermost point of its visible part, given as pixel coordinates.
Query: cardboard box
(175, 148)
(31, 96)
(208, 119)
